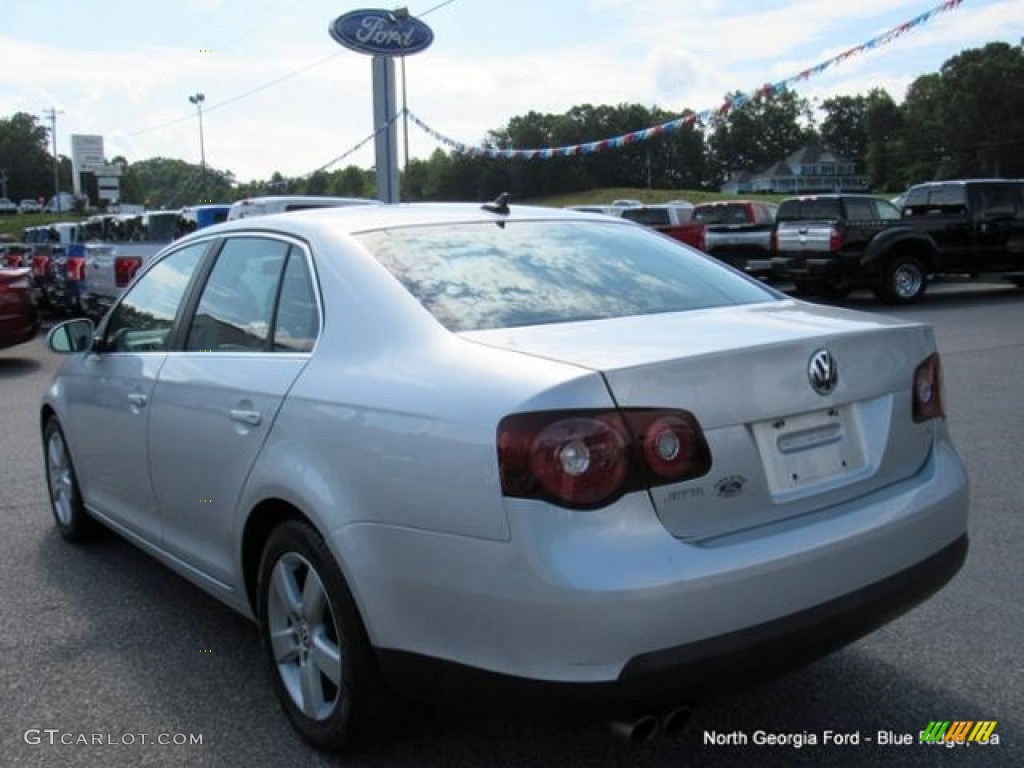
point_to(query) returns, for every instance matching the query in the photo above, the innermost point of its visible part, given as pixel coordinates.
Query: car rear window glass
(724, 214)
(809, 209)
(652, 217)
(500, 275)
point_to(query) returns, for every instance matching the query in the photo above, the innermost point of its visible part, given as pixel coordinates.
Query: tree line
(967, 120)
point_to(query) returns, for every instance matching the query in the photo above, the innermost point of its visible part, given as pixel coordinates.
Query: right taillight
(835, 239)
(125, 268)
(589, 458)
(928, 390)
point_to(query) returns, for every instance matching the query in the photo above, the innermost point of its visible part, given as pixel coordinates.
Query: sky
(281, 95)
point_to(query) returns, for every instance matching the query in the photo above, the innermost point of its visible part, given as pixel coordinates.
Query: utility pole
(52, 113)
(3, 182)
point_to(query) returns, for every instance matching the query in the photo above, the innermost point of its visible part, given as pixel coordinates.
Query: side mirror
(71, 336)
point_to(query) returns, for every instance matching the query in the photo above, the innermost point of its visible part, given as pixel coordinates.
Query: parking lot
(111, 659)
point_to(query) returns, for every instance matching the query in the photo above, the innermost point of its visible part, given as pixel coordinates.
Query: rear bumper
(818, 268)
(681, 674)
(606, 607)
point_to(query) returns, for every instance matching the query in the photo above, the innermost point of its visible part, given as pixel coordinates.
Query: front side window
(143, 319)
(237, 304)
(887, 211)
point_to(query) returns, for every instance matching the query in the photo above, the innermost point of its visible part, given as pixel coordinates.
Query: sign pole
(384, 35)
(385, 129)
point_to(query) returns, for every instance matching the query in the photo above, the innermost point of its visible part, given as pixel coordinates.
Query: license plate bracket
(807, 449)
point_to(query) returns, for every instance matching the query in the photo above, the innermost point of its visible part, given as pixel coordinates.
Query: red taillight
(125, 268)
(74, 268)
(835, 240)
(702, 238)
(774, 241)
(587, 459)
(928, 390)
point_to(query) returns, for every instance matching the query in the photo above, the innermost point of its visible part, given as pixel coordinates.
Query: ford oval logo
(381, 33)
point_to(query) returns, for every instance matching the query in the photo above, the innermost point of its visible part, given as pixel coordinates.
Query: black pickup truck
(827, 244)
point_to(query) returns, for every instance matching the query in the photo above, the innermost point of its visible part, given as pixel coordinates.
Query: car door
(109, 395)
(217, 397)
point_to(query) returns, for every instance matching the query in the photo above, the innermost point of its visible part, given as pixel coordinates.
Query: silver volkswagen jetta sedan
(516, 453)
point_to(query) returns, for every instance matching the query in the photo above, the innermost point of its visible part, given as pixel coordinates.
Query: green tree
(163, 182)
(884, 128)
(25, 158)
(757, 132)
(983, 111)
(924, 152)
(844, 130)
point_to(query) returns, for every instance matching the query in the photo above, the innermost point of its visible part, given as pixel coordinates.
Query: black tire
(904, 281)
(69, 513)
(320, 637)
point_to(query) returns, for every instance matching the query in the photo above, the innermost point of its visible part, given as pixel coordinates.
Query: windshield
(517, 273)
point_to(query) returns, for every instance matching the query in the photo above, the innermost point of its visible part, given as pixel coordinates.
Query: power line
(264, 86)
(239, 97)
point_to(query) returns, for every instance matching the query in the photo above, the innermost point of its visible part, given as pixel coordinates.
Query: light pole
(52, 113)
(198, 100)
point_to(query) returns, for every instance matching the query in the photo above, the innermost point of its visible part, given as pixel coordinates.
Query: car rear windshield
(809, 209)
(483, 275)
(723, 214)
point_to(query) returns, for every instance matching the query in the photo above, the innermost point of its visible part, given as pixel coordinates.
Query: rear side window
(810, 209)
(482, 275)
(298, 319)
(860, 209)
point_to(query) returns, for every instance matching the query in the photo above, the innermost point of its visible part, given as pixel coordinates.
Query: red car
(19, 318)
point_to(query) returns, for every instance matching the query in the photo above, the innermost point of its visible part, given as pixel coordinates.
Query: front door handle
(248, 418)
(138, 399)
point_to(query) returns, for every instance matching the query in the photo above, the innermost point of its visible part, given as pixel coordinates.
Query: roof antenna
(499, 205)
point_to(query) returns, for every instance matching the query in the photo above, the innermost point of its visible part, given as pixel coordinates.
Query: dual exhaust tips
(640, 730)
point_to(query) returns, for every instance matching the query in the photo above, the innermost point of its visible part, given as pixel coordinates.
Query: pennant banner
(701, 118)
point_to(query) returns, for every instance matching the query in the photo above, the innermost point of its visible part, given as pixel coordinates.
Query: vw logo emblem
(823, 372)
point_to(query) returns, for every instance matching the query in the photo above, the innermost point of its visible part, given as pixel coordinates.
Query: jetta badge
(823, 372)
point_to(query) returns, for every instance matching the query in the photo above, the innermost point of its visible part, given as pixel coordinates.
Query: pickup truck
(674, 219)
(827, 244)
(739, 232)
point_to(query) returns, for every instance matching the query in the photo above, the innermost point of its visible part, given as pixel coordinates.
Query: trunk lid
(779, 448)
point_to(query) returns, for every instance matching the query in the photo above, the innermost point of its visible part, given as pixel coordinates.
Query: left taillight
(587, 459)
(927, 393)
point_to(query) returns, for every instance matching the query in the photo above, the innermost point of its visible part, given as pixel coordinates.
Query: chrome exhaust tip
(635, 731)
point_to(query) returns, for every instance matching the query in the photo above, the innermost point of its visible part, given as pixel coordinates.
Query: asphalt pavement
(109, 659)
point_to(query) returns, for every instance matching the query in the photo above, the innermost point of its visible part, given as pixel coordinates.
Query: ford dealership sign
(382, 33)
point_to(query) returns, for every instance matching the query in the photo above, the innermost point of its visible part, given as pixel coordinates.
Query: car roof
(365, 218)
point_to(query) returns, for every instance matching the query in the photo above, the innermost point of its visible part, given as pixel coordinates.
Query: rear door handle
(249, 418)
